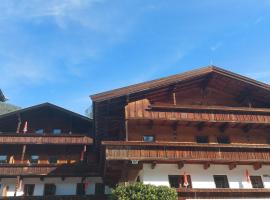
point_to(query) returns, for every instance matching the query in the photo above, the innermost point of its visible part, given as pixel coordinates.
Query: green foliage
(139, 191)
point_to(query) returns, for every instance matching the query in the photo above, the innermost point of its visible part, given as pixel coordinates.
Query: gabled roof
(155, 84)
(45, 105)
(2, 96)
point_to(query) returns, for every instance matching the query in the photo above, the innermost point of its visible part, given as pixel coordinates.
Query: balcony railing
(74, 169)
(143, 110)
(170, 151)
(21, 138)
(225, 193)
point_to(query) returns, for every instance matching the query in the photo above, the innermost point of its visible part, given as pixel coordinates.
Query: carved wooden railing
(173, 151)
(225, 193)
(75, 169)
(44, 139)
(144, 110)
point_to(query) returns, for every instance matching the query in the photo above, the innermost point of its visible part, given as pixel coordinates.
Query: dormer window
(39, 131)
(148, 138)
(57, 131)
(3, 159)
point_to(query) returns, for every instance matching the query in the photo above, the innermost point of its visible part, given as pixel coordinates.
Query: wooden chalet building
(205, 132)
(46, 150)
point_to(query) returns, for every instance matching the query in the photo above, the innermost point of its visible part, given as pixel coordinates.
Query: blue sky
(61, 51)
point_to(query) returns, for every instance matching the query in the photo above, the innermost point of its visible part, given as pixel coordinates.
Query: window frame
(149, 136)
(202, 137)
(222, 138)
(40, 131)
(51, 156)
(25, 191)
(3, 161)
(254, 185)
(180, 181)
(225, 184)
(80, 189)
(47, 185)
(55, 131)
(31, 160)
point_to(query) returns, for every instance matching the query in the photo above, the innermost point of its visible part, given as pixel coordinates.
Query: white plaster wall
(202, 178)
(63, 187)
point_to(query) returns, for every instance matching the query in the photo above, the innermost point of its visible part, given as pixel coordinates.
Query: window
(202, 139)
(34, 159)
(221, 181)
(3, 159)
(80, 190)
(49, 189)
(57, 131)
(256, 182)
(53, 159)
(148, 138)
(99, 188)
(223, 140)
(39, 131)
(177, 181)
(29, 189)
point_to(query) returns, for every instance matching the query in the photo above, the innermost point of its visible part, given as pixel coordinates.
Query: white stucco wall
(63, 187)
(202, 178)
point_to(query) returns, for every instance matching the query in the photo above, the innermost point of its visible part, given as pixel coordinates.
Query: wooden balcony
(74, 169)
(45, 139)
(187, 152)
(225, 193)
(143, 110)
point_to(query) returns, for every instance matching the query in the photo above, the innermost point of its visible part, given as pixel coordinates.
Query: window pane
(221, 181)
(3, 159)
(202, 139)
(53, 159)
(99, 188)
(177, 181)
(256, 182)
(80, 189)
(57, 131)
(40, 131)
(148, 138)
(223, 140)
(34, 159)
(29, 189)
(49, 189)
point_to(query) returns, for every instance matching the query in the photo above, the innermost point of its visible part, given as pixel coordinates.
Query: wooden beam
(232, 166)
(153, 165)
(180, 165)
(206, 166)
(257, 166)
(175, 125)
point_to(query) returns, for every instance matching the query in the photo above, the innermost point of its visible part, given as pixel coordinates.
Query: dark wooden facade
(71, 138)
(175, 110)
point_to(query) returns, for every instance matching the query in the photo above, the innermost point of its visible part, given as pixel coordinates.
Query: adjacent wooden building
(46, 150)
(204, 132)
